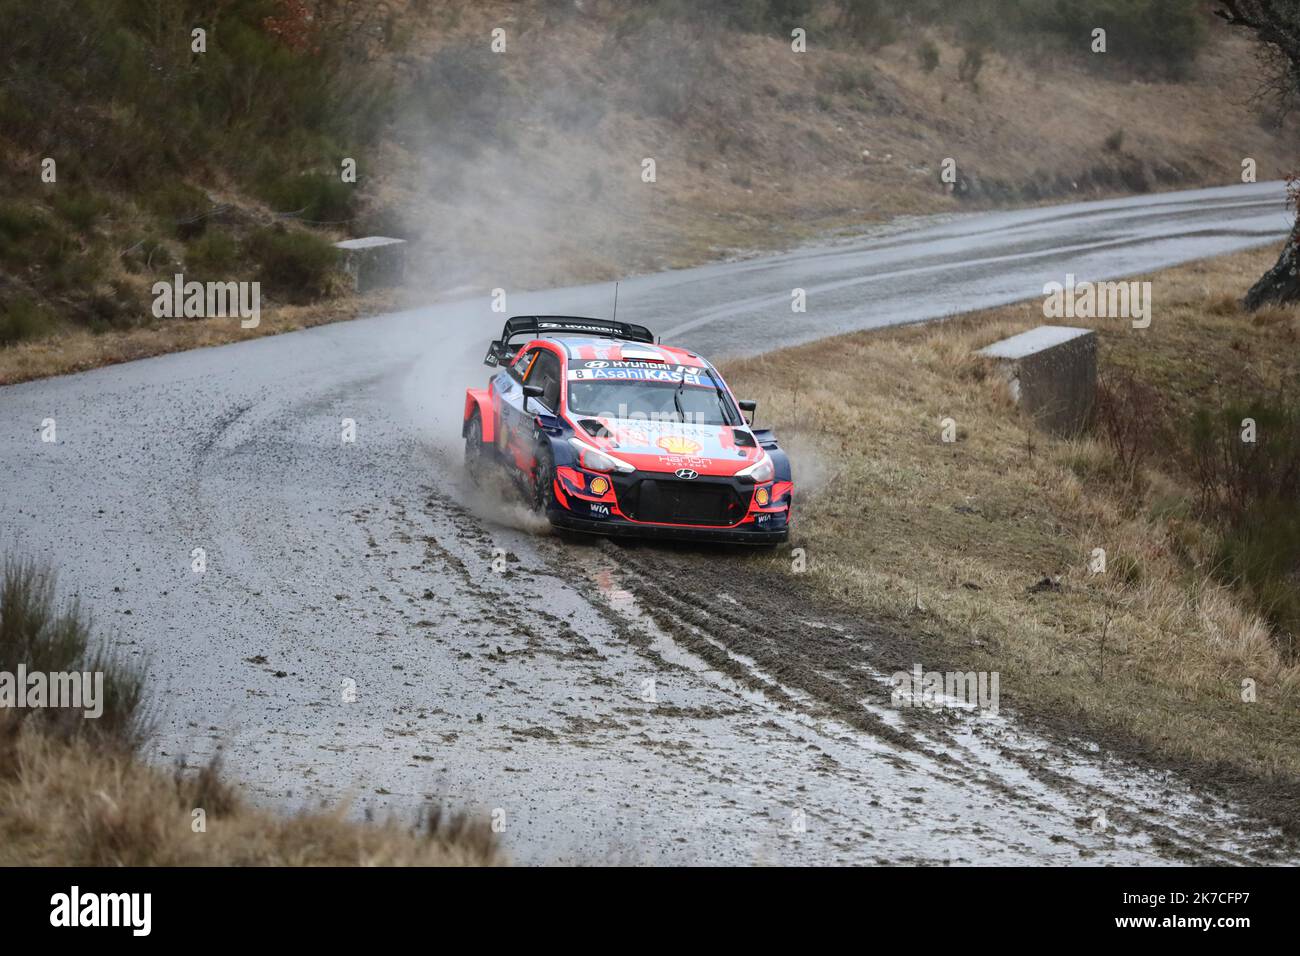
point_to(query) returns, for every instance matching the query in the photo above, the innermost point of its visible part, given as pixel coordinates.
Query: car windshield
(653, 401)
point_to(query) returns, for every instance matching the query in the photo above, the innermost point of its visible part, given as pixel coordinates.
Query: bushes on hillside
(29, 236)
(22, 318)
(122, 75)
(299, 266)
(927, 53)
(114, 93)
(312, 197)
(215, 256)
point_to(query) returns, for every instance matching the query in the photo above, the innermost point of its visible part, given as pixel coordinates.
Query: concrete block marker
(1052, 374)
(373, 262)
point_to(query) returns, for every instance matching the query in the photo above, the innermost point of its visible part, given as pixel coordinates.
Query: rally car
(606, 431)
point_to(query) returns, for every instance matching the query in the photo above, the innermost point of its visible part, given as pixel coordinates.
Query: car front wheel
(474, 446)
(543, 481)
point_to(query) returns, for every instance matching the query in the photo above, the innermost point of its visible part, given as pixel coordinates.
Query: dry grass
(66, 803)
(971, 526)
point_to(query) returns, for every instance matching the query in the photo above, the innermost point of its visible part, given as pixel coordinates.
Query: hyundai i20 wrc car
(606, 431)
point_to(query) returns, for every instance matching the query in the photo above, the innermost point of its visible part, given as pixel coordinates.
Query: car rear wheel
(544, 481)
(474, 446)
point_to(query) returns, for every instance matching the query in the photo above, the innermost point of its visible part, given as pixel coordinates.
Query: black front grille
(679, 501)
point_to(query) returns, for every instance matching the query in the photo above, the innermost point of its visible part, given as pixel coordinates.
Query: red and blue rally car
(608, 432)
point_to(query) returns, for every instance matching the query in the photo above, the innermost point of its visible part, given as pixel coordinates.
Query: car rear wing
(501, 351)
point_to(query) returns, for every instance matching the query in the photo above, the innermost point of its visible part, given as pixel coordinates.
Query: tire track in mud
(467, 528)
(627, 723)
(834, 671)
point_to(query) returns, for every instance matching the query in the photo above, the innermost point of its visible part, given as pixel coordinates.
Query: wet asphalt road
(496, 668)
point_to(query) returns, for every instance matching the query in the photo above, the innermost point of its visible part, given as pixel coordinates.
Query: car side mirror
(748, 405)
(532, 391)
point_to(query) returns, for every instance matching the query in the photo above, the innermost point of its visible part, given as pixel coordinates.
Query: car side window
(547, 375)
(519, 371)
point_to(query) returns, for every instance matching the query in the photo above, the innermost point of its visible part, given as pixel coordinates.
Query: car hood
(668, 446)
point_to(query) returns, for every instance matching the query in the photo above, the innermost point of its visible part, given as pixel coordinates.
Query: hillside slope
(527, 167)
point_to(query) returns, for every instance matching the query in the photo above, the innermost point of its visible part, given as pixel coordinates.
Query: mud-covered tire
(544, 481)
(474, 446)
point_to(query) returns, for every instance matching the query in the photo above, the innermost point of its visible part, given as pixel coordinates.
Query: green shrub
(872, 23)
(176, 201)
(23, 319)
(69, 268)
(1126, 569)
(972, 62)
(214, 256)
(34, 243)
(80, 208)
(785, 15)
(297, 265)
(312, 197)
(1236, 476)
(1260, 557)
(1252, 491)
(114, 309)
(27, 236)
(152, 255)
(849, 79)
(927, 54)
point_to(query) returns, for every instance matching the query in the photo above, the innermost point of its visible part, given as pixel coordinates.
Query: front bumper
(743, 534)
(658, 505)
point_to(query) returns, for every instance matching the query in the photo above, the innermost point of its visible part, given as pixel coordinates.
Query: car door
(515, 434)
(544, 373)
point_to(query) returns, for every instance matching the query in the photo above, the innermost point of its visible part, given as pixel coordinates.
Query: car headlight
(593, 459)
(760, 471)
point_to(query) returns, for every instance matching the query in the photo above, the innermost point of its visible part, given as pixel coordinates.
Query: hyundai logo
(685, 474)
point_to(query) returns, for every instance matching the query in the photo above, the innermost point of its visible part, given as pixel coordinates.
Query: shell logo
(762, 497)
(599, 486)
(678, 445)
